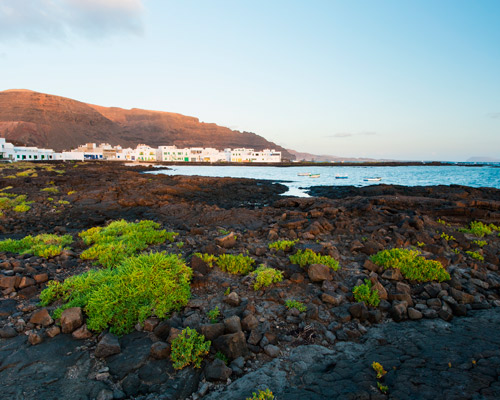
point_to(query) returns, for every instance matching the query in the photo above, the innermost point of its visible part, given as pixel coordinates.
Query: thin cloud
(344, 134)
(495, 115)
(42, 20)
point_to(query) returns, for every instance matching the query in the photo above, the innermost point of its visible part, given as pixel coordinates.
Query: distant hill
(44, 120)
(483, 159)
(326, 158)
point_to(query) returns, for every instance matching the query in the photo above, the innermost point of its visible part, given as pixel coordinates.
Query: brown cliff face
(44, 120)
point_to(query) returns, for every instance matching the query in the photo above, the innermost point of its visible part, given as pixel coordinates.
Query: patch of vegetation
(447, 237)
(209, 259)
(121, 239)
(221, 356)
(285, 245)
(189, 348)
(478, 229)
(266, 276)
(71, 191)
(15, 203)
(367, 294)
(63, 202)
(50, 189)
(379, 369)
(383, 388)
(475, 255)
(262, 395)
(420, 244)
(44, 245)
(223, 232)
(154, 284)
(443, 222)
(295, 304)
(227, 291)
(213, 315)
(235, 264)
(308, 257)
(180, 245)
(456, 250)
(412, 266)
(480, 243)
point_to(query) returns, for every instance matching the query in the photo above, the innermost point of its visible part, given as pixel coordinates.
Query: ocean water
(475, 176)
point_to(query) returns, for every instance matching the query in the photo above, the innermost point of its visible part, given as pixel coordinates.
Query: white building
(22, 153)
(144, 153)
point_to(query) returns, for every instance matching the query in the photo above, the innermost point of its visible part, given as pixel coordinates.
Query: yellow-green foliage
(71, 191)
(189, 347)
(478, 229)
(266, 276)
(235, 264)
(213, 315)
(22, 208)
(44, 245)
(209, 259)
(379, 369)
(480, 243)
(51, 189)
(367, 294)
(284, 245)
(63, 202)
(262, 395)
(413, 266)
(121, 239)
(27, 172)
(308, 257)
(147, 285)
(383, 388)
(295, 304)
(475, 255)
(447, 237)
(13, 202)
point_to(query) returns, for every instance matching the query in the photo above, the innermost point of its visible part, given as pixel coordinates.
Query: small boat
(304, 174)
(373, 179)
(339, 176)
(314, 176)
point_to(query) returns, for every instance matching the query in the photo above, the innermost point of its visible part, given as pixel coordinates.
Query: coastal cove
(425, 175)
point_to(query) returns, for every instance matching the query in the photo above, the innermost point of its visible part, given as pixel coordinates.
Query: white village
(142, 153)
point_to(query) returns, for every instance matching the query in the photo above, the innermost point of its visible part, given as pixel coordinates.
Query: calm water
(487, 176)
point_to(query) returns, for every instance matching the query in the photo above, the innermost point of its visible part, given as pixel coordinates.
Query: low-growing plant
(456, 250)
(447, 237)
(213, 315)
(209, 259)
(14, 202)
(22, 208)
(379, 369)
(121, 239)
(221, 356)
(227, 291)
(480, 243)
(367, 294)
(189, 348)
(478, 229)
(44, 245)
(411, 264)
(420, 244)
(308, 257)
(475, 255)
(50, 189)
(235, 264)
(26, 173)
(180, 245)
(223, 232)
(442, 222)
(63, 202)
(383, 388)
(285, 245)
(262, 395)
(295, 304)
(265, 276)
(153, 284)
(71, 192)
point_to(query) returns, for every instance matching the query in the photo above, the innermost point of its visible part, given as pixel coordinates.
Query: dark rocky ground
(436, 340)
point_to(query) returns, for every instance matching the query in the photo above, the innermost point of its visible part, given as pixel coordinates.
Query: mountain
(59, 123)
(325, 158)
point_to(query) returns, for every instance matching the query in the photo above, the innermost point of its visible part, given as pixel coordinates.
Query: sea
(486, 175)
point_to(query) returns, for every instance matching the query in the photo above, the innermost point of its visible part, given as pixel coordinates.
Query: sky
(401, 79)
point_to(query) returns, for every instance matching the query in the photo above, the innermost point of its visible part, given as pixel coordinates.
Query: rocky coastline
(435, 339)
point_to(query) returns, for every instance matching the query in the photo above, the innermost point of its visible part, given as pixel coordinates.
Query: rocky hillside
(44, 120)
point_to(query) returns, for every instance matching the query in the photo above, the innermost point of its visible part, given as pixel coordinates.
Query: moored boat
(314, 175)
(304, 174)
(373, 179)
(339, 176)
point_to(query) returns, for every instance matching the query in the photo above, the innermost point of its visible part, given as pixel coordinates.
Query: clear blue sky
(383, 79)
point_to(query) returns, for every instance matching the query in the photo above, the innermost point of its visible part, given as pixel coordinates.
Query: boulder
(160, 350)
(108, 346)
(249, 322)
(232, 345)
(35, 338)
(217, 371)
(319, 273)
(232, 324)
(232, 299)
(212, 331)
(272, 351)
(227, 241)
(82, 332)
(399, 311)
(393, 274)
(7, 332)
(71, 319)
(41, 317)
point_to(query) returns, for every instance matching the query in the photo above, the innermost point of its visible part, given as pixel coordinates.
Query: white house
(144, 153)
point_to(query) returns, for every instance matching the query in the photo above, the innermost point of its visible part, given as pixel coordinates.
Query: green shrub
(412, 266)
(295, 304)
(262, 395)
(147, 285)
(44, 245)
(22, 208)
(51, 189)
(14, 202)
(209, 259)
(447, 237)
(383, 388)
(475, 255)
(284, 245)
(213, 315)
(379, 369)
(63, 202)
(367, 294)
(478, 229)
(308, 257)
(121, 239)
(189, 348)
(71, 191)
(265, 276)
(235, 264)
(221, 356)
(480, 243)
